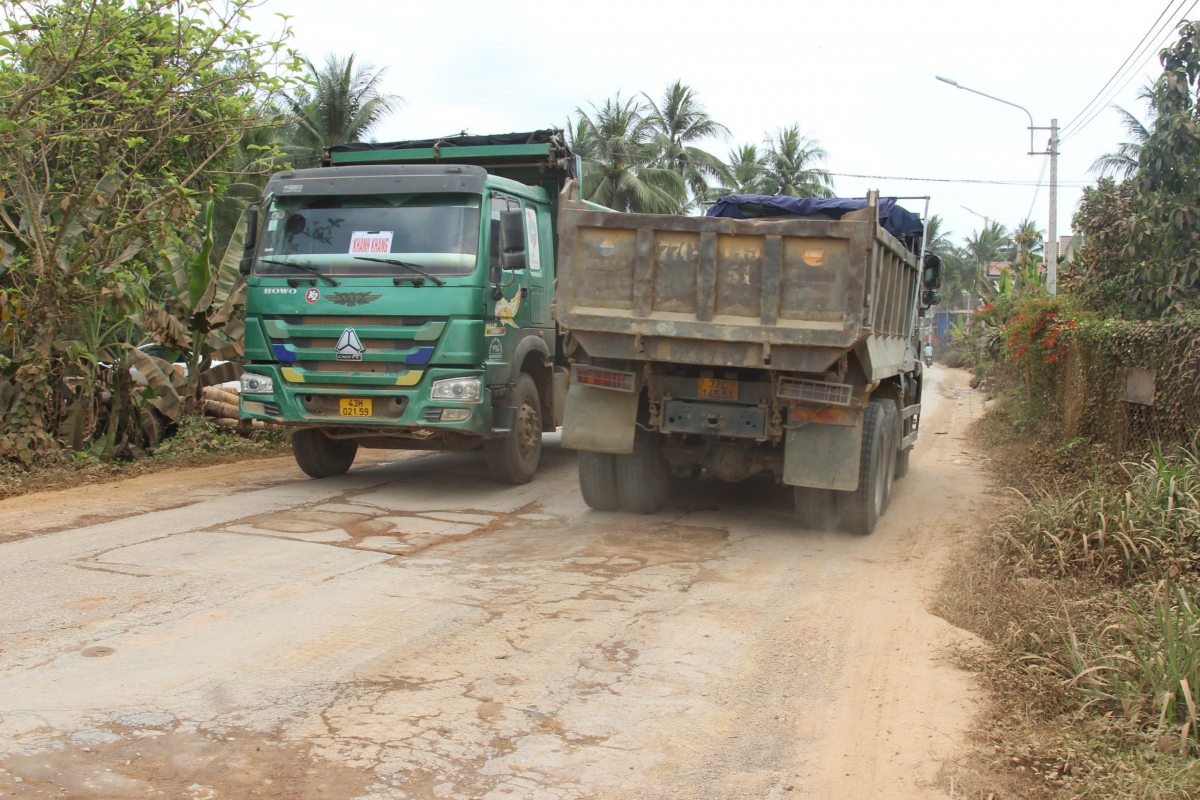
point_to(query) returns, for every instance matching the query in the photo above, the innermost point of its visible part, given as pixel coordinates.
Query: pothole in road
(342, 523)
(140, 763)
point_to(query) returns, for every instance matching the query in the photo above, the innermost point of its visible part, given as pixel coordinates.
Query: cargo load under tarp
(899, 222)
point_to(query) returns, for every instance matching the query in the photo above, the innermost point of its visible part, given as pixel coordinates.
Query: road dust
(413, 630)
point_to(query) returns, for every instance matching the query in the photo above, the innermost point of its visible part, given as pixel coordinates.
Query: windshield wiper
(414, 267)
(304, 268)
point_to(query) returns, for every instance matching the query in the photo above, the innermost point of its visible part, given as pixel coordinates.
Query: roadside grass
(1088, 591)
(197, 443)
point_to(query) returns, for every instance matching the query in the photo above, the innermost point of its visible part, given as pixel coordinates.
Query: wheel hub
(528, 430)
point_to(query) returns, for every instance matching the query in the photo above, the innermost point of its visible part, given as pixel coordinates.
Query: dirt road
(413, 631)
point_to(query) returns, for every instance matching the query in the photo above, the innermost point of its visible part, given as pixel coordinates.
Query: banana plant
(197, 325)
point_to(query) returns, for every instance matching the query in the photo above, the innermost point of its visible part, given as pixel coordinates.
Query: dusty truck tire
(891, 421)
(643, 477)
(598, 480)
(513, 459)
(859, 510)
(815, 510)
(321, 457)
(902, 465)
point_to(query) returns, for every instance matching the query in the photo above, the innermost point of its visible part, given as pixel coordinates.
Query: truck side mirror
(931, 277)
(512, 239)
(931, 297)
(251, 237)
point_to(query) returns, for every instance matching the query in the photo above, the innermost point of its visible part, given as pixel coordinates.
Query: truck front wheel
(322, 457)
(643, 477)
(513, 459)
(598, 480)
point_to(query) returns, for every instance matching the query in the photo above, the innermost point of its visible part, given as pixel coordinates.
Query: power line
(1128, 58)
(1038, 188)
(1132, 73)
(1078, 184)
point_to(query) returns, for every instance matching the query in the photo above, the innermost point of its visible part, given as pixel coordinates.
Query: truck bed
(790, 294)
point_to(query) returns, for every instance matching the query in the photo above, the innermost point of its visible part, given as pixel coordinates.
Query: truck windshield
(439, 232)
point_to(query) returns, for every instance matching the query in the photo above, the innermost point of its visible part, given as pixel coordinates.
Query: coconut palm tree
(937, 240)
(621, 160)
(341, 102)
(746, 166)
(985, 246)
(679, 121)
(791, 155)
(1123, 161)
(1028, 240)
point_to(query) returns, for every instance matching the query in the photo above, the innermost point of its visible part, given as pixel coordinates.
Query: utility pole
(1052, 151)
(1052, 244)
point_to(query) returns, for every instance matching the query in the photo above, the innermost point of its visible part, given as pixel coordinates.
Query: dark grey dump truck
(782, 344)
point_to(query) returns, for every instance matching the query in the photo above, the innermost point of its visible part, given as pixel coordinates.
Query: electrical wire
(1038, 188)
(1068, 184)
(1124, 63)
(1131, 75)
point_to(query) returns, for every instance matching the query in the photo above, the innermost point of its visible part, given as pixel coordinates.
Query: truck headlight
(257, 384)
(464, 390)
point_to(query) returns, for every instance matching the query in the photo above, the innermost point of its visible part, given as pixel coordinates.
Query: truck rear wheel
(815, 509)
(513, 458)
(902, 459)
(643, 477)
(598, 480)
(859, 511)
(891, 421)
(321, 457)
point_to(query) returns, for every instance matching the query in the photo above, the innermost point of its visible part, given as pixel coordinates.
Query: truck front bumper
(298, 403)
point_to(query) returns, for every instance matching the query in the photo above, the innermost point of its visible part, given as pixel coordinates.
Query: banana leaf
(165, 327)
(161, 377)
(222, 373)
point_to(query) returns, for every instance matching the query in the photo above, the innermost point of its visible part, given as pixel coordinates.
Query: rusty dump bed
(778, 294)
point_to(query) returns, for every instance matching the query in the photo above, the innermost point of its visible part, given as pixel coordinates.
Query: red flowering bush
(1036, 333)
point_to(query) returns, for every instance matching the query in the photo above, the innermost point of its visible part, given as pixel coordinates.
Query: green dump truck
(400, 297)
(774, 335)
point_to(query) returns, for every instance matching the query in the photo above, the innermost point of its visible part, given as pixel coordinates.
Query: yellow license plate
(722, 390)
(355, 406)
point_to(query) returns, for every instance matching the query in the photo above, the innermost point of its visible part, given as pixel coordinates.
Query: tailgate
(748, 292)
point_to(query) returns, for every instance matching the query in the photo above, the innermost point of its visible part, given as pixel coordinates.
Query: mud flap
(823, 456)
(600, 420)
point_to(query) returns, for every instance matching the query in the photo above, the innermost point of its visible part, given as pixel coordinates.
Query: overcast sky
(858, 75)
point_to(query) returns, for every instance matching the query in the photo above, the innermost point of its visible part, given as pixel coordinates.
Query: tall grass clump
(1148, 531)
(1089, 592)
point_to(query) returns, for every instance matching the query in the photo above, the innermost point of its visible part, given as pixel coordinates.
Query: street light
(1052, 151)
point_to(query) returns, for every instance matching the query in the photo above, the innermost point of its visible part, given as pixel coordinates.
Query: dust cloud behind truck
(783, 342)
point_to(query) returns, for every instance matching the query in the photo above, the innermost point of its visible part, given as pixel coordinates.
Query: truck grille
(837, 394)
(324, 405)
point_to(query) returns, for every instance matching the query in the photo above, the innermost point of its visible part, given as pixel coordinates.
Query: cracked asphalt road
(412, 630)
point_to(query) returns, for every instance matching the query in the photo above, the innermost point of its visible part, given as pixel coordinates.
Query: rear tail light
(604, 378)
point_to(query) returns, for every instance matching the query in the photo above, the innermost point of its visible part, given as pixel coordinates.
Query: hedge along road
(412, 630)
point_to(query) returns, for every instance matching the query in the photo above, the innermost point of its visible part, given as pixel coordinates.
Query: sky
(859, 76)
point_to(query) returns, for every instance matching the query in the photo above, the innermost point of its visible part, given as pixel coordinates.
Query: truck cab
(399, 297)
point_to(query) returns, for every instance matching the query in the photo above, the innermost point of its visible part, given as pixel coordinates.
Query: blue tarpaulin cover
(899, 222)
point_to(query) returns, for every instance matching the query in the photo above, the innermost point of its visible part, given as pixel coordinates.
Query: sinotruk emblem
(349, 346)
(352, 298)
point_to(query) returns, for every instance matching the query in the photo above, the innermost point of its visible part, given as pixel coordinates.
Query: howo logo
(349, 346)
